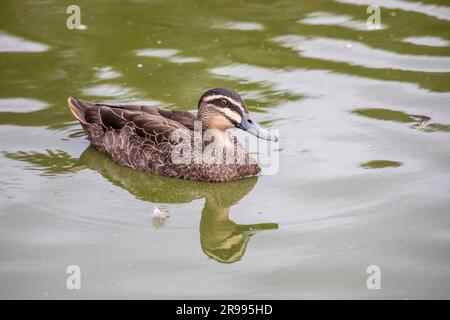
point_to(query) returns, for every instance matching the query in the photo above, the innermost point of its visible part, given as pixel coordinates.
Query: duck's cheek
(220, 122)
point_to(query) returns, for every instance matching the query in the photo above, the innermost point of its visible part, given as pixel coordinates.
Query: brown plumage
(141, 137)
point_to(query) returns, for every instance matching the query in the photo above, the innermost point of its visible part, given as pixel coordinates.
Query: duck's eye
(224, 102)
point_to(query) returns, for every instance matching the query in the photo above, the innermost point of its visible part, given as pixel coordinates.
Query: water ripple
(329, 19)
(357, 53)
(436, 11)
(427, 41)
(21, 105)
(9, 43)
(242, 26)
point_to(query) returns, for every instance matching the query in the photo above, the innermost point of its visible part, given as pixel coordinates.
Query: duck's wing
(186, 118)
(148, 123)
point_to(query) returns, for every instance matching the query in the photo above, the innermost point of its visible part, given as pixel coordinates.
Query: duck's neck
(220, 136)
(216, 127)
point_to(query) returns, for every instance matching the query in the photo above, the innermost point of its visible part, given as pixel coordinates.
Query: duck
(191, 145)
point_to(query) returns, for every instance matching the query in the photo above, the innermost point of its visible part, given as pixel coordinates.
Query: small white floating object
(140, 65)
(162, 213)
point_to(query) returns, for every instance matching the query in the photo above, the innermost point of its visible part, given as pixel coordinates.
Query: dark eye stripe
(218, 102)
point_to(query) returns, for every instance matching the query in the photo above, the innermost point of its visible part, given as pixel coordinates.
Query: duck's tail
(79, 108)
(88, 115)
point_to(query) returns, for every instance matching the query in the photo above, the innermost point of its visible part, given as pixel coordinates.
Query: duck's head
(222, 109)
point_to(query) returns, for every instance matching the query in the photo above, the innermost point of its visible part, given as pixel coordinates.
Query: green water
(364, 175)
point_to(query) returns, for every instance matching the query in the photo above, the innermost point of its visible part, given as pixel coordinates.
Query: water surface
(364, 175)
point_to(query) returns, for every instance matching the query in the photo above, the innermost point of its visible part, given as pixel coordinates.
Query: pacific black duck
(165, 142)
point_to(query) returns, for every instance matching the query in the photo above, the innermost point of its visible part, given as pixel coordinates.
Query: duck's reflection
(221, 238)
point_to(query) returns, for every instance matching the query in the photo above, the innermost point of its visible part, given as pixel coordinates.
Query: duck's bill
(255, 129)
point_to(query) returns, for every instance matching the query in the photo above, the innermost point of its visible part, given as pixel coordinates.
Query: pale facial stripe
(219, 96)
(233, 115)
